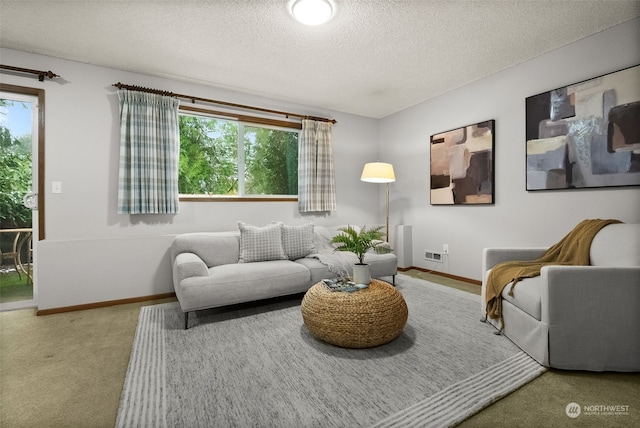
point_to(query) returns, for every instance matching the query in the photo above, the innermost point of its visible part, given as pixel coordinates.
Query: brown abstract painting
(586, 134)
(462, 165)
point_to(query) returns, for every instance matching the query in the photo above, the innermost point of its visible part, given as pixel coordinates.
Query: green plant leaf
(358, 242)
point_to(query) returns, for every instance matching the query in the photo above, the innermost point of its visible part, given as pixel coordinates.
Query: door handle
(30, 200)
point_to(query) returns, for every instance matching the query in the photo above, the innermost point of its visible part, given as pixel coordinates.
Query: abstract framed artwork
(585, 135)
(462, 165)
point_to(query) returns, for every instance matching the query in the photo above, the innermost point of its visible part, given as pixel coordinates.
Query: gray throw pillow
(258, 244)
(297, 241)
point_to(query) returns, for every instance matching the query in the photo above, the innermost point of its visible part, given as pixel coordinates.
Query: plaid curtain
(316, 177)
(149, 153)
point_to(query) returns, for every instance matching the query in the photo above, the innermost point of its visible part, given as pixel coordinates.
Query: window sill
(213, 198)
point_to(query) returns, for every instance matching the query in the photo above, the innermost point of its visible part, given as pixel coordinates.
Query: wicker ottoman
(363, 319)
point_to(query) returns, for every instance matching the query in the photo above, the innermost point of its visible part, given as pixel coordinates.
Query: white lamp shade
(378, 172)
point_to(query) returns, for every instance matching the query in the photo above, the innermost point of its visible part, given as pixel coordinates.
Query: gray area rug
(257, 365)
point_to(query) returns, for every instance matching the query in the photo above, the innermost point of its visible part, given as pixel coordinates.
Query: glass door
(18, 202)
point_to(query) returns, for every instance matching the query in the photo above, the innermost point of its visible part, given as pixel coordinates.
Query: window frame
(40, 186)
(242, 121)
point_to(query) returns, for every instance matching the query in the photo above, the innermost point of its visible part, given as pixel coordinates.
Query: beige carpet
(67, 370)
(64, 370)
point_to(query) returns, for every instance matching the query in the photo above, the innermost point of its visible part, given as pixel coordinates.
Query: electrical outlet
(445, 248)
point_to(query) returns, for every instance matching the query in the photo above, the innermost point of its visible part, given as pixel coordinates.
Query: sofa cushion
(526, 295)
(616, 245)
(297, 241)
(243, 282)
(259, 244)
(322, 238)
(317, 269)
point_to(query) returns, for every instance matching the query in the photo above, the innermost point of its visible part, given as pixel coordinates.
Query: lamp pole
(388, 239)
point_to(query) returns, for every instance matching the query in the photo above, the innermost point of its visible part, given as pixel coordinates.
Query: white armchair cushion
(616, 245)
(526, 295)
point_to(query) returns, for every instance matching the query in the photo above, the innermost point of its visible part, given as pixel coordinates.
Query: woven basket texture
(363, 319)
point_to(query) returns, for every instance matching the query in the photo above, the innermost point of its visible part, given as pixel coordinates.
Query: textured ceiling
(374, 58)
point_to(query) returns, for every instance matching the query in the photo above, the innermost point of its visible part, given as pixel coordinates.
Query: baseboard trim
(103, 304)
(446, 275)
(169, 295)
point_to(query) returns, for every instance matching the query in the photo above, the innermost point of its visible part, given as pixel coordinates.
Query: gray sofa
(213, 269)
(577, 317)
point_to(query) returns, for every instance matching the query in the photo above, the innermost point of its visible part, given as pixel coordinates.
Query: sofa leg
(394, 280)
(186, 320)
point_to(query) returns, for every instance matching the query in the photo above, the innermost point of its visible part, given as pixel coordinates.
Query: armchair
(577, 317)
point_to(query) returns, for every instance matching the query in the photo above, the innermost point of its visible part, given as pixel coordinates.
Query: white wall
(518, 217)
(92, 254)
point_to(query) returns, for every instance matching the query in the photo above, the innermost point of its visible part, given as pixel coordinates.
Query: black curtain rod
(224, 103)
(41, 74)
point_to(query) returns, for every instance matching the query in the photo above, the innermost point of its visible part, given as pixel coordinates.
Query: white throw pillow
(297, 241)
(258, 244)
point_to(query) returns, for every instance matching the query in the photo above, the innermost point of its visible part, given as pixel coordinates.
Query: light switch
(56, 187)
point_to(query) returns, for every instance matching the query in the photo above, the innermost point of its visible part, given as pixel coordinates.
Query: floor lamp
(379, 172)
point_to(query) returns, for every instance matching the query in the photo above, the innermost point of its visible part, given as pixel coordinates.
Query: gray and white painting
(586, 134)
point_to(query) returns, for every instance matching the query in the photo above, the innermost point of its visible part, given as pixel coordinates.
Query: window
(221, 157)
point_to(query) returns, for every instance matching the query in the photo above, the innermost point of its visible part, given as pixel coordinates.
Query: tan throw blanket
(573, 249)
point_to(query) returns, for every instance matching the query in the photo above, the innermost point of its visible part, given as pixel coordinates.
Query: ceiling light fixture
(312, 12)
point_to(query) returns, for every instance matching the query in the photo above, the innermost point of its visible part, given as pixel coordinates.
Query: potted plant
(359, 242)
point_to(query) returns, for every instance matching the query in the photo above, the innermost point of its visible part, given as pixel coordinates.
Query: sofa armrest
(592, 316)
(187, 265)
(493, 256)
(600, 289)
(381, 247)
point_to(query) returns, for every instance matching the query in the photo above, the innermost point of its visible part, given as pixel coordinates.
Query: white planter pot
(361, 274)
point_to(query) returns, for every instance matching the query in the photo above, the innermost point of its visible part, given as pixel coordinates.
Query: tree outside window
(228, 158)
(15, 179)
